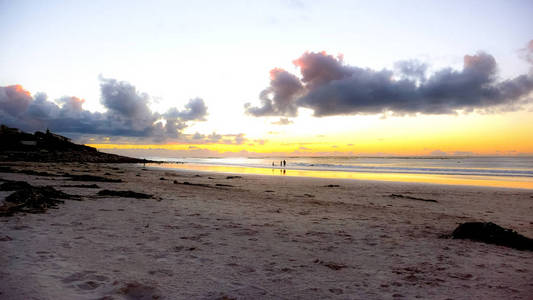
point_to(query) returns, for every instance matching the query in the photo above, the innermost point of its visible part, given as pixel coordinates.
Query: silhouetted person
(280, 163)
(284, 163)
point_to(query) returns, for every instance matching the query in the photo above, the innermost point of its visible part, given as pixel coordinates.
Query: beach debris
(126, 194)
(6, 238)
(194, 184)
(162, 178)
(226, 185)
(86, 186)
(411, 198)
(233, 177)
(14, 185)
(27, 172)
(4, 169)
(332, 185)
(93, 178)
(32, 199)
(336, 291)
(490, 233)
(225, 297)
(331, 265)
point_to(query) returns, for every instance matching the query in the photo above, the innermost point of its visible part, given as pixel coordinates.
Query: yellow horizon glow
(480, 134)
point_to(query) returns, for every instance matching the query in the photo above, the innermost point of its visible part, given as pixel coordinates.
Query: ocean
(500, 171)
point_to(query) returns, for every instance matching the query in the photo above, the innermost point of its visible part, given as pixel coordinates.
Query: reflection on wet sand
(510, 182)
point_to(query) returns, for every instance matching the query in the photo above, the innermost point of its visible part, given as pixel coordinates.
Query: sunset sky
(246, 78)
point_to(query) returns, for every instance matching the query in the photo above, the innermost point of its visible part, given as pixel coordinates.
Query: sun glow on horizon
(471, 134)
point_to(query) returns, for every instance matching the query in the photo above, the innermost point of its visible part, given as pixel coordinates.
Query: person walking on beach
(284, 163)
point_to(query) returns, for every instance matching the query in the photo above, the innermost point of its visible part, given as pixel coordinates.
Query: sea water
(503, 171)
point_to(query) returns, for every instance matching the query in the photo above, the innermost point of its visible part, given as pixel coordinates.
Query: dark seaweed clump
(491, 233)
(126, 194)
(31, 199)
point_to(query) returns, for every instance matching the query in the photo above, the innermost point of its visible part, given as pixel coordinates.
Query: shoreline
(215, 235)
(440, 179)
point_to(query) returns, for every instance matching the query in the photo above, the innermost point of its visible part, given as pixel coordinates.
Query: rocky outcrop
(16, 145)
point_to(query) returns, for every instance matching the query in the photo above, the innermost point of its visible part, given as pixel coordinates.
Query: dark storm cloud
(128, 113)
(279, 98)
(329, 87)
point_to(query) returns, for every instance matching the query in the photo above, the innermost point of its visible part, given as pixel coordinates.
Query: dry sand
(269, 237)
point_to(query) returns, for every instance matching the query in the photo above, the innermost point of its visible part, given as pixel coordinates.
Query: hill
(16, 145)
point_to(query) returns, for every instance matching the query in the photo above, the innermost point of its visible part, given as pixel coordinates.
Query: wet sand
(216, 236)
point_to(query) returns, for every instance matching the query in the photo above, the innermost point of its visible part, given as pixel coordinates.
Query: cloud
(279, 98)
(412, 69)
(195, 110)
(14, 100)
(527, 53)
(127, 113)
(240, 139)
(329, 87)
(282, 121)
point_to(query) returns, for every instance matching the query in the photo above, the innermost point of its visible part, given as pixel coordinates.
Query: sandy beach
(230, 236)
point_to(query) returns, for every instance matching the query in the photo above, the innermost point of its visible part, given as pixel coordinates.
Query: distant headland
(16, 145)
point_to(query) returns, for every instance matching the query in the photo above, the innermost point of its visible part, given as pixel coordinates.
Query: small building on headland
(8, 130)
(51, 136)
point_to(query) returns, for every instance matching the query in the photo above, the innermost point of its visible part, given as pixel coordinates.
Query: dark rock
(491, 233)
(126, 194)
(332, 185)
(233, 177)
